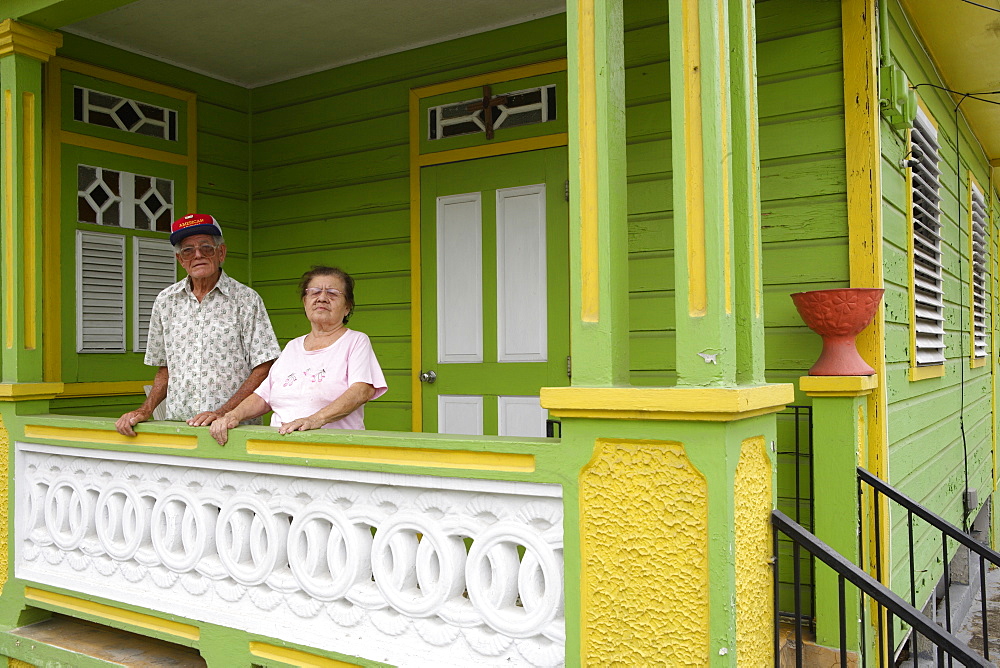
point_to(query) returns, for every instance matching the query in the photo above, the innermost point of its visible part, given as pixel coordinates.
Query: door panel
(495, 299)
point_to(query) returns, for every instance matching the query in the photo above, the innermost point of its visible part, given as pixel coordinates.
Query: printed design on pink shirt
(307, 375)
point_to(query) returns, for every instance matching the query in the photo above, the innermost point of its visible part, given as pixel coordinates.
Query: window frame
(936, 368)
(976, 361)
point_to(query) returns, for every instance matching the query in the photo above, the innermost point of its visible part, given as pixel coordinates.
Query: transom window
(121, 113)
(489, 113)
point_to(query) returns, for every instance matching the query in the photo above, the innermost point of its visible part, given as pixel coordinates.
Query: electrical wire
(961, 292)
(970, 2)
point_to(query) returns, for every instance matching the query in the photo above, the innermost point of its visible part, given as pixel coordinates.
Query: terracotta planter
(839, 316)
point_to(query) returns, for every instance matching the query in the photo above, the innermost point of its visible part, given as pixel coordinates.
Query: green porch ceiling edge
(598, 226)
(52, 15)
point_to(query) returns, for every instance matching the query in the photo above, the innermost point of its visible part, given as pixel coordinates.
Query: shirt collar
(223, 285)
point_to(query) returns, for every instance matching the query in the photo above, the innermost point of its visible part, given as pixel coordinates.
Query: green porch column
(717, 257)
(23, 50)
(597, 209)
(840, 439)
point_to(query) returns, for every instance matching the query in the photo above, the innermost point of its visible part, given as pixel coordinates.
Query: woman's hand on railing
(219, 429)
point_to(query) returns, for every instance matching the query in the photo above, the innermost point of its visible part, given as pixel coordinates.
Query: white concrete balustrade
(406, 569)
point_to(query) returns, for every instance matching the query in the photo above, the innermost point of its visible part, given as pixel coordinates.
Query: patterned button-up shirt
(208, 347)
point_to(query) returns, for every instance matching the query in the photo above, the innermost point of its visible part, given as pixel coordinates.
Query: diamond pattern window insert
(523, 107)
(121, 113)
(928, 285)
(980, 244)
(122, 199)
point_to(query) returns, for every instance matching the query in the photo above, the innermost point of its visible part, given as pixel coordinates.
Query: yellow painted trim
(29, 277)
(864, 204)
(375, 454)
(295, 657)
(99, 144)
(140, 619)
(192, 153)
(24, 39)
(125, 79)
(911, 285)
(925, 372)
(694, 178)
(104, 389)
(498, 76)
(977, 362)
(26, 391)
(838, 386)
(668, 403)
(110, 437)
(417, 161)
(493, 150)
(416, 303)
(51, 292)
(590, 287)
(8, 219)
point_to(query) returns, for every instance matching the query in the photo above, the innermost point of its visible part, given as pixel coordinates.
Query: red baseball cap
(194, 223)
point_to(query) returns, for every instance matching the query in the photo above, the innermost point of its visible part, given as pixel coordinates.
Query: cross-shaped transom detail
(486, 106)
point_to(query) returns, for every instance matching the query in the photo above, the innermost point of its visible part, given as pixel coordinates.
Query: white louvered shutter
(100, 292)
(927, 270)
(155, 268)
(979, 248)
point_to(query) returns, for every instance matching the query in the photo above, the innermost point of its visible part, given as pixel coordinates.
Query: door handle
(428, 377)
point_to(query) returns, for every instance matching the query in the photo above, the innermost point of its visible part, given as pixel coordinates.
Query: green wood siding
(331, 185)
(926, 458)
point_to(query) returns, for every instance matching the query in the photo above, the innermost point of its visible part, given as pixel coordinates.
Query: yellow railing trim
(375, 454)
(668, 403)
(104, 389)
(109, 437)
(25, 391)
(177, 629)
(295, 657)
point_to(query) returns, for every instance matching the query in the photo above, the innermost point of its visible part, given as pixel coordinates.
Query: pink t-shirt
(302, 381)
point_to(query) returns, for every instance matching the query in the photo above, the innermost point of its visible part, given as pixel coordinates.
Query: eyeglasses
(332, 293)
(207, 250)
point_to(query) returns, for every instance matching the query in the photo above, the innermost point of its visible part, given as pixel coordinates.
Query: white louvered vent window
(979, 248)
(100, 292)
(927, 270)
(155, 269)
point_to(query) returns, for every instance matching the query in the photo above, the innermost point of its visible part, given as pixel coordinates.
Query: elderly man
(208, 334)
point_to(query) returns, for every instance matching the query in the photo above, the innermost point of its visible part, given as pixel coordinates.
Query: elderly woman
(322, 379)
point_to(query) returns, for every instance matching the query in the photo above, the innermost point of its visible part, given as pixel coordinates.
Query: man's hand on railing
(219, 429)
(126, 422)
(204, 419)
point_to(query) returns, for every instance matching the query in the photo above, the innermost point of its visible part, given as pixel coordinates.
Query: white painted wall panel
(460, 414)
(521, 416)
(460, 278)
(522, 332)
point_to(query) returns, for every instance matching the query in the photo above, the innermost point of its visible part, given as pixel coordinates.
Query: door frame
(419, 160)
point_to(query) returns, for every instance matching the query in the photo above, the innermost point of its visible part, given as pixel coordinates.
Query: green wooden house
(574, 228)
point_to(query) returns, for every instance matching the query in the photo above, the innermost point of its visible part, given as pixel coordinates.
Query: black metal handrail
(947, 529)
(948, 646)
